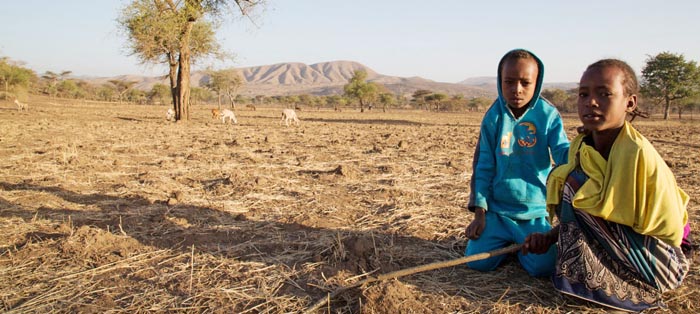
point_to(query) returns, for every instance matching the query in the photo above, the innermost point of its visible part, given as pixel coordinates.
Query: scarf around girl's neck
(634, 187)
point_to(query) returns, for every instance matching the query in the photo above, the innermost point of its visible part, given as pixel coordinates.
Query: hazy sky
(446, 40)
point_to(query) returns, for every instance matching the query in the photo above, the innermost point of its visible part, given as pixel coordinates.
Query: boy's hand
(539, 243)
(476, 227)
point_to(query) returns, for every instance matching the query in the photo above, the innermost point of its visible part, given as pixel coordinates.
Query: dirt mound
(393, 297)
(99, 246)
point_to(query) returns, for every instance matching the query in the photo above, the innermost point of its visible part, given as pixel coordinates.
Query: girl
(621, 214)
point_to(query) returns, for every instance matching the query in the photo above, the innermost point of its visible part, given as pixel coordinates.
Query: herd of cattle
(289, 116)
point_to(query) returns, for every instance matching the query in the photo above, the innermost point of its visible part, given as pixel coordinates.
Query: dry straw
(413, 270)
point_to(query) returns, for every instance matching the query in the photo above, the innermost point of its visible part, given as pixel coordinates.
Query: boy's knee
(540, 270)
(539, 265)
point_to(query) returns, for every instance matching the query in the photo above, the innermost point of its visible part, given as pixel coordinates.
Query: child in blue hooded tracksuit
(521, 135)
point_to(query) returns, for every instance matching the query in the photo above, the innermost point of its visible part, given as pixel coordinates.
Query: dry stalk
(414, 270)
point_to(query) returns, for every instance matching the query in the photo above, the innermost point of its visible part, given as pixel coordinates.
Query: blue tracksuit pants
(501, 231)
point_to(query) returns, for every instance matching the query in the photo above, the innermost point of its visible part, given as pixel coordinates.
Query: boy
(520, 135)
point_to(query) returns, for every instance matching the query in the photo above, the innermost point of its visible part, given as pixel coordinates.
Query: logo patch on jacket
(505, 141)
(526, 133)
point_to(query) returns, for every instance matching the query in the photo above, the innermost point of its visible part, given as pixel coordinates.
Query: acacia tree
(420, 97)
(387, 100)
(122, 87)
(436, 99)
(358, 88)
(668, 78)
(14, 76)
(159, 92)
(53, 79)
(177, 33)
(225, 82)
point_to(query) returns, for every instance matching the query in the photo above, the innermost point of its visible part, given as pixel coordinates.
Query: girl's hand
(539, 243)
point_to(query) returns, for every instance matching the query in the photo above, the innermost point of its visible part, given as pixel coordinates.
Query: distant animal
(297, 108)
(289, 115)
(338, 109)
(251, 107)
(228, 114)
(215, 113)
(170, 115)
(21, 106)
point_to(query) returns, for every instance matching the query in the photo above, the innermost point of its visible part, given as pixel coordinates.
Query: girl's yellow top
(634, 187)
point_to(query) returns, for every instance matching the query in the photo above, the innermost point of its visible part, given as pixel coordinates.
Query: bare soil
(110, 208)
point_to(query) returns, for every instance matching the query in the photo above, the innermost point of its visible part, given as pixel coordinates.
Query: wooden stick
(413, 270)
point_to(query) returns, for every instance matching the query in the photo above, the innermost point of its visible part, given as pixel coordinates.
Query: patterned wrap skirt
(609, 263)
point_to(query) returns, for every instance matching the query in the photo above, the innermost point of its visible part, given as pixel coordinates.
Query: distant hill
(489, 82)
(326, 78)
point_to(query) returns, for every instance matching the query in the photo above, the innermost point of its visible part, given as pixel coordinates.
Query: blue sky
(446, 41)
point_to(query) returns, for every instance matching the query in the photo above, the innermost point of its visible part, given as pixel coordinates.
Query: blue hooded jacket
(514, 156)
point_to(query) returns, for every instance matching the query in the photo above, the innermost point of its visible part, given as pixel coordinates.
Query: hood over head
(540, 76)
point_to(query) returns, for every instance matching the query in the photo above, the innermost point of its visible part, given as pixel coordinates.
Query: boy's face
(518, 81)
(602, 103)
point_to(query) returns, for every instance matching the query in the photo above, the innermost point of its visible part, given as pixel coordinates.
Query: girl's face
(602, 103)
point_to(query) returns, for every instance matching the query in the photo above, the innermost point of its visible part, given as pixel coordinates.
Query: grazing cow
(215, 113)
(289, 115)
(170, 115)
(251, 107)
(21, 106)
(228, 114)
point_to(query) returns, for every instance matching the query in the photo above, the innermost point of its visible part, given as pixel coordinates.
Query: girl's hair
(629, 79)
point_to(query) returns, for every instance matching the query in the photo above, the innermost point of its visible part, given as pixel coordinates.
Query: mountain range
(325, 78)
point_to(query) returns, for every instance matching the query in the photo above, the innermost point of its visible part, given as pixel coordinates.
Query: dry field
(108, 208)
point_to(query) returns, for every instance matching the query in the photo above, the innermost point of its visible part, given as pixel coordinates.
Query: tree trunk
(667, 108)
(174, 90)
(362, 106)
(183, 74)
(231, 99)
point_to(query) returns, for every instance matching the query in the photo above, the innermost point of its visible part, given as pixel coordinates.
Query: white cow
(289, 115)
(20, 106)
(228, 114)
(170, 115)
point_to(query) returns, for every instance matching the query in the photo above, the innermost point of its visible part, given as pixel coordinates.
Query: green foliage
(136, 96)
(176, 33)
(225, 83)
(387, 99)
(14, 77)
(307, 99)
(154, 32)
(200, 95)
(669, 78)
(479, 103)
(562, 99)
(336, 101)
(106, 92)
(358, 88)
(159, 93)
(420, 95)
(68, 89)
(122, 87)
